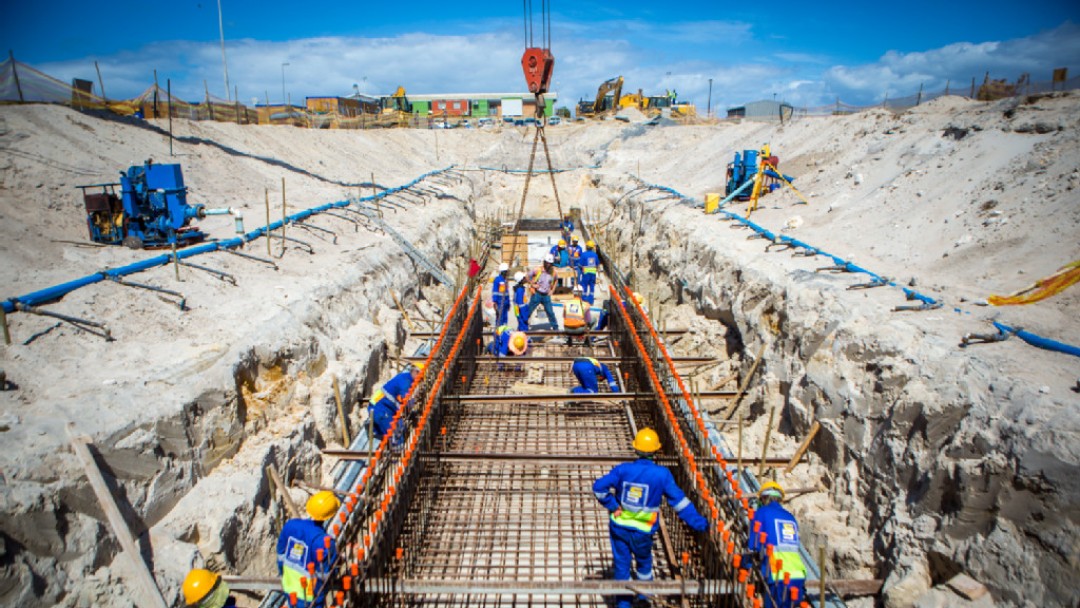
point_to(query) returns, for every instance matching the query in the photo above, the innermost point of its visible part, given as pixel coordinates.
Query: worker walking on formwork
(575, 258)
(205, 589)
(500, 295)
(520, 305)
(543, 283)
(306, 553)
(589, 263)
(774, 541)
(384, 404)
(587, 371)
(632, 492)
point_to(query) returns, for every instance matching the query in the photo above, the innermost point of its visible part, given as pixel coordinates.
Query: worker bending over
(587, 370)
(508, 342)
(520, 306)
(589, 263)
(386, 401)
(632, 492)
(205, 589)
(560, 254)
(306, 553)
(778, 552)
(576, 317)
(500, 295)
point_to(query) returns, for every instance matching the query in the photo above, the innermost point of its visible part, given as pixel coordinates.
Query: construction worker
(783, 569)
(306, 553)
(567, 226)
(385, 402)
(543, 283)
(205, 589)
(632, 492)
(521, 307)
(586, 370)
(576, 317)
(589, 263)
(500, 295)
(575, 256)
(560, 255)
(508, 342)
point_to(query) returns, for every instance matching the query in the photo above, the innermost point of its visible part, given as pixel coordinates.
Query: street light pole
(708, 110)
(283, 83)
(224, 64)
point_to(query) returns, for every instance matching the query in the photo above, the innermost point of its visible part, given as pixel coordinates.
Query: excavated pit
(929, 462)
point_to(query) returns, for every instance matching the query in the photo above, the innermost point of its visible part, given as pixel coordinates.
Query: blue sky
(808, 54)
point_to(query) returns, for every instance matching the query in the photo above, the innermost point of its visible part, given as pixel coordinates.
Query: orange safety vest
(573, 314)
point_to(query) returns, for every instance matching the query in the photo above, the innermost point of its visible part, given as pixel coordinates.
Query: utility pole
(708, 109)
(224, 64)
(283, 82)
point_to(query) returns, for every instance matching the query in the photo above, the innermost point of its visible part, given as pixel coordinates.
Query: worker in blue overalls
(567, 226)
(589, 263)
(632, 492)
(508, 342)
(306, 553)
(500, 295)
(587, 370)
(784, 569)
(575, 257)
(560, 255)
(385, 402)
(520, 304)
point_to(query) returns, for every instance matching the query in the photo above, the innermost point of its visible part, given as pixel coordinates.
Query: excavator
(396, 108)
(603, 101)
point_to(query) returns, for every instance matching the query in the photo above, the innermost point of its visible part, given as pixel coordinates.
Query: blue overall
(589, 264)
(297, 547)
(501, 344)
(782, 532)
(561, 255)
(567, 227)
(500, 298)
(586, 370)
(634, 490)
(521, 308)
(384, 403)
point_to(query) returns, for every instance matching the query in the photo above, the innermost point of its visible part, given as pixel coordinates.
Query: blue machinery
(744, 168)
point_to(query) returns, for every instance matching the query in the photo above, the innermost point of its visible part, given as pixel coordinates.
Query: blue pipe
(56, 292)
(1039, 341)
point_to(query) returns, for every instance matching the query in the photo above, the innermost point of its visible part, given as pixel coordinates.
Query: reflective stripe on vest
(377, 397)
(637, 520)
(791, 564)
(589, 270)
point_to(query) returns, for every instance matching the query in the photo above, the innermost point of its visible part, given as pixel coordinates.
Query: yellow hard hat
(637, 297)
(420, 365)
(590, 244)
(771, 488)
(519, 341)
(198, 584)
(647, 441)
(322, 505)
(562, 243)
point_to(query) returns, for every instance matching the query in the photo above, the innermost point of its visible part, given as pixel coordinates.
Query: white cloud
(654, 57)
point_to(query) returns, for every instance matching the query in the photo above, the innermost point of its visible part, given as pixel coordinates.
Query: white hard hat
(504, 267)
(519, 276)
(549, 259)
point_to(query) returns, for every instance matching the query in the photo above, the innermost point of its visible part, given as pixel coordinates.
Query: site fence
(21, 83)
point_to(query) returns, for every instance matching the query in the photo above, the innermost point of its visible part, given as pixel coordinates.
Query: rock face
(949, 465)
(188, 409)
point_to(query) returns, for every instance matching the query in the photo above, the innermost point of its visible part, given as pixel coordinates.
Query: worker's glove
(614, 387)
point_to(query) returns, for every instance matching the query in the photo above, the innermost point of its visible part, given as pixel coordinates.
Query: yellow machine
(603, 101)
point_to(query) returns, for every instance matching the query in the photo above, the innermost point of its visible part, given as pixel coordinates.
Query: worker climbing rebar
(588, 371)
(633, 492)
(774, 545)
(306, 553)
(385, 402)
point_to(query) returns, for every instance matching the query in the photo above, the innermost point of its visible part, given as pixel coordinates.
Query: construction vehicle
(608, 96)
(151, 211)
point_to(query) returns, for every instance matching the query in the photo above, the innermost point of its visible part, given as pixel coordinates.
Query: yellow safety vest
(638, 520)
